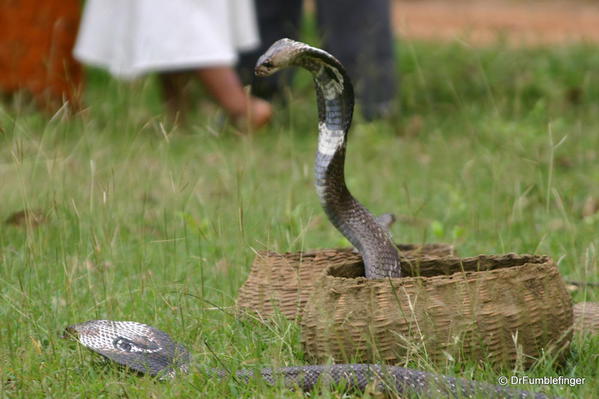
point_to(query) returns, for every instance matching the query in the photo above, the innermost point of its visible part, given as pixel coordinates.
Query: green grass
(495, 150)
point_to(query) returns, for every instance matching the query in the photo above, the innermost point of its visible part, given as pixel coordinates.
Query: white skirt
(133, 37)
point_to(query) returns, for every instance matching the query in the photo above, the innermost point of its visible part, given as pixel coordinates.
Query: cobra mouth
(76, 331)
(261, 72)
(264, 68)
(70, 333)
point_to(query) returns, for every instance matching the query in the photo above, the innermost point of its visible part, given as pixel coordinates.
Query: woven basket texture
(586, 317)
(502, 310)
(283, 282)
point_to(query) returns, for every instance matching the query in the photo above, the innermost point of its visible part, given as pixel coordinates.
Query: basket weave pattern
(497, 309)
(284, 281)
(586, 317)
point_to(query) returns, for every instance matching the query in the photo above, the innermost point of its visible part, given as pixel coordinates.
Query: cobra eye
(123, 344)
(268, 64)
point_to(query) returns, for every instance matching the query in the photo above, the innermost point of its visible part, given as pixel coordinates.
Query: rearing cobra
(148, 350)
(335, 96)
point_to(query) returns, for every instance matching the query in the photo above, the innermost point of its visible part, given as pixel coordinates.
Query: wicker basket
(284, 281)
(586, 317)
(498, 309)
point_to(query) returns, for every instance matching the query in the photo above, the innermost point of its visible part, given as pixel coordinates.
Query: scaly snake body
(148, 350)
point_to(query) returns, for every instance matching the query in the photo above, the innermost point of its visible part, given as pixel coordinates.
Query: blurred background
(38, 43)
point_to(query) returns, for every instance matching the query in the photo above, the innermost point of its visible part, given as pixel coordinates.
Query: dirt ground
(480, 22)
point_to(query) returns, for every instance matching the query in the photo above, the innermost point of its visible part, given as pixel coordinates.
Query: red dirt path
(481, 22)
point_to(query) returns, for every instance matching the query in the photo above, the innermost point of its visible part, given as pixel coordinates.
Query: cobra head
(137, 346)
(280, 55)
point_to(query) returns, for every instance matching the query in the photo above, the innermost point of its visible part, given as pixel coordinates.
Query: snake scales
(148, 350)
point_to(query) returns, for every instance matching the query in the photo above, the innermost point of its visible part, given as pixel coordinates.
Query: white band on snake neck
(329, 141)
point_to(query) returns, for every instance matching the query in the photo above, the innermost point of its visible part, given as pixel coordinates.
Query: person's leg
(359, 34)
(224, 85)
(173, 92)
(276, 19)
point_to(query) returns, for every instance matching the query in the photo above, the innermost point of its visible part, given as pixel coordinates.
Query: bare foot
(257, 115)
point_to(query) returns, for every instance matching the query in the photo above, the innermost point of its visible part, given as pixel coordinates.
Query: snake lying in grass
(149, 350)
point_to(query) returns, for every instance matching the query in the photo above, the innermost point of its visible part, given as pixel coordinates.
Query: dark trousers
(357, 32)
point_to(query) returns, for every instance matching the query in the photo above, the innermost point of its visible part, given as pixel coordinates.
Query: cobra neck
(335, 98)
(334, 90)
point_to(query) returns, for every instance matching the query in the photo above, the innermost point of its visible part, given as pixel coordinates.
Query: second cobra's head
(280, 55)
(137, 346)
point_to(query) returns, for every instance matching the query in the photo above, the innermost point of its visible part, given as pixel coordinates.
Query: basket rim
(525, 261)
